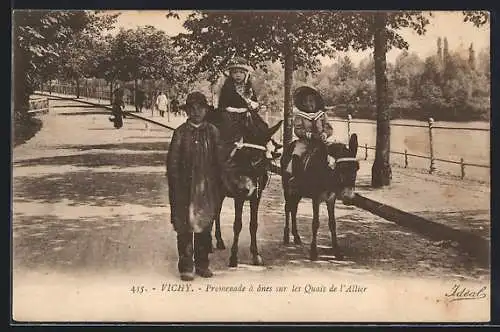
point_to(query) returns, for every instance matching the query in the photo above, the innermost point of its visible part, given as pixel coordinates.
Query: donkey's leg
(332, 224)
(254, 209)
(315, 225)
(295, 206)
(286, 230)
(238, 211)
(218, 235)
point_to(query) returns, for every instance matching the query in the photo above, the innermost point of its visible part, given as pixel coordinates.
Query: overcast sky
(447, 24)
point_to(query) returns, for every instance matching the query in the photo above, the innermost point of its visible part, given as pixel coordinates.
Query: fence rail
(410, 125)
(39, 106)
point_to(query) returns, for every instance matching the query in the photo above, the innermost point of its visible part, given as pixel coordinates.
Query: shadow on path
(92, 188)
(474, 221)
(136, 146)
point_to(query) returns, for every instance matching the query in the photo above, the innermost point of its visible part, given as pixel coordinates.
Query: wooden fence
(39, 106)
(431, 157)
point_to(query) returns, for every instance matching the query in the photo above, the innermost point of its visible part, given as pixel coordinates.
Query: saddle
(305, 159)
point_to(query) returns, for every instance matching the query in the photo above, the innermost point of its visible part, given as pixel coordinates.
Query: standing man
(140, 97)
(162, 103)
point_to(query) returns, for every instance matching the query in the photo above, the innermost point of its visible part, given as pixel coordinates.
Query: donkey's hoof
(313, 255)
(337, 252)
(286, 240)
(233, 261)
(297, 240)
(221, 245)
(211, 249)
(338, 255)
(257, 260)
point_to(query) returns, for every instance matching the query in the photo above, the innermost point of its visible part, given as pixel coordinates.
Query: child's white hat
(237, 62)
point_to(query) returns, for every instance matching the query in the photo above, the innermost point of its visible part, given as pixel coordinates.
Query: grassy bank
(25, 129)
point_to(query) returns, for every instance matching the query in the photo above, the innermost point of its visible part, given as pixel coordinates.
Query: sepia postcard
(176, 166)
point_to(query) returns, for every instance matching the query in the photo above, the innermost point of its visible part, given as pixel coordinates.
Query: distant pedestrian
(162, 103)
(194, 162)
(174, 107)
(117, 110)
(140, 98)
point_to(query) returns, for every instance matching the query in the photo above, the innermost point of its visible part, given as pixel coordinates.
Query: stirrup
(277, 145)
(275, 154)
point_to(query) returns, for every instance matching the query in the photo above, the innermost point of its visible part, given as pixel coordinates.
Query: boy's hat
(195, 98)
(237, 62)
(303, 91)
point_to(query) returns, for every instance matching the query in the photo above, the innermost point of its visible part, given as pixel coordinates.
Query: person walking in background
(117, 110)
(140, 97)
(194, 163)
(162, 103)
(174, 106)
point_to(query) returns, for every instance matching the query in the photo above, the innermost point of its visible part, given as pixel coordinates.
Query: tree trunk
(134, 95)
(111, 93)
(381, 169)
(288, 105)
(77, 88)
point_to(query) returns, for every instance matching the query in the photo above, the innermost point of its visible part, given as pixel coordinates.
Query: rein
(236, 110)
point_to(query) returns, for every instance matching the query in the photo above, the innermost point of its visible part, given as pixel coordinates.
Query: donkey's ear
(353, 145)
(274, 129)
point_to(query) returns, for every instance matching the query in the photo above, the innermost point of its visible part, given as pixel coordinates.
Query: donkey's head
(346, 168)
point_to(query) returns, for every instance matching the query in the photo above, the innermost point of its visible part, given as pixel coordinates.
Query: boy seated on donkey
(310, 126)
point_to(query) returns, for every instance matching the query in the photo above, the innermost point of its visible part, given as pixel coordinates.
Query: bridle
(345, 159)
(241, 145)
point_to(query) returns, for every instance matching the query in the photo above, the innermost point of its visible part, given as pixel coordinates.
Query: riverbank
(25, 130)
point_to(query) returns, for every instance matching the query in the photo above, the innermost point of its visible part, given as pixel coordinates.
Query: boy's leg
(296, 167)
(201, 249)
(185, 251)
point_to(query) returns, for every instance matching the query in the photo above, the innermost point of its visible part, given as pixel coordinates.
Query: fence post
(432, 168)
(349, 118)
(462, 168)
(366, 151)
(406, 158)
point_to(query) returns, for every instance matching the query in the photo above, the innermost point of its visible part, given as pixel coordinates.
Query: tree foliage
(40, 38)
(143, 53)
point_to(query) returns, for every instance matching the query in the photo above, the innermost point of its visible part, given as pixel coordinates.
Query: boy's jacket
(314, 123)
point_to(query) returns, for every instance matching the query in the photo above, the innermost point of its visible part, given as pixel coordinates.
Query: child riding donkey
(239, 106)
(312, 129)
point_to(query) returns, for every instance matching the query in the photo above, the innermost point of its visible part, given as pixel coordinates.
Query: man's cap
(195, 98)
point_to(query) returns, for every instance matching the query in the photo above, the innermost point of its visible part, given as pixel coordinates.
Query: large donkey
(321, 183)
(252, 162)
